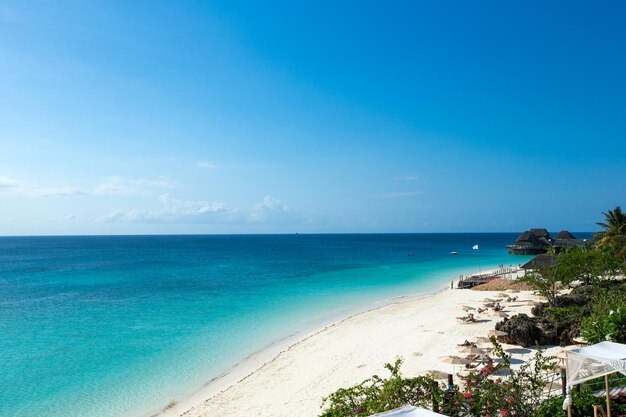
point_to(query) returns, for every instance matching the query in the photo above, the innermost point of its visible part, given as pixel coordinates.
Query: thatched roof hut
(536, 241)
(541, 261)
(564, 235)
(528, 238)
(531, 242)
(541, 233)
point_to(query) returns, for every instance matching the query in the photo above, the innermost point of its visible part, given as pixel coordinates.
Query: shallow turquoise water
(119, 326)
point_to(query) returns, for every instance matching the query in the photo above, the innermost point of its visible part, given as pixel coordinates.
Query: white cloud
(67, 219)
(270, 209)
(10, 186)
(8, 183)
(120, 186)
(206, 165)
(132, 186)
(173, 210)
(63, 191)
(115, 216)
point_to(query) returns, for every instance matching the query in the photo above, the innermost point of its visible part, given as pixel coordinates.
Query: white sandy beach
(294, 381)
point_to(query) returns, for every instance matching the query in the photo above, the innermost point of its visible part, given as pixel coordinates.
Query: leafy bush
(582, 405)
(607, 320)
(376, 394)
(516, 393)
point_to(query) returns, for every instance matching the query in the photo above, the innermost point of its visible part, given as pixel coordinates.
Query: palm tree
(613, 236)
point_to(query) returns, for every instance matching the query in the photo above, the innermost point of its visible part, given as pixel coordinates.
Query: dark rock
(522, 330)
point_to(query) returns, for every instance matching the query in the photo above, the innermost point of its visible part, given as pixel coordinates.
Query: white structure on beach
(587, 363)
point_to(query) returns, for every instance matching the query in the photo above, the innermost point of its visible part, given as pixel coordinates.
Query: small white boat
(454, 253)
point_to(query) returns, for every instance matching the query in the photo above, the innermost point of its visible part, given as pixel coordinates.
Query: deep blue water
(119, 326)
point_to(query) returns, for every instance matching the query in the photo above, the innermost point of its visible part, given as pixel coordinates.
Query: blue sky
(260, 117)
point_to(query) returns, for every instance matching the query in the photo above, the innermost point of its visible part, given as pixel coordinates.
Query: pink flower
(467, 394)
(504, 413)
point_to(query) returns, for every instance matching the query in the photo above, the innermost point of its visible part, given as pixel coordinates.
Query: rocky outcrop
(522, 330)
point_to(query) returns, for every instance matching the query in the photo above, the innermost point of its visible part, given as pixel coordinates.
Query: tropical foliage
(515, 393)
(588, 266)
(613, 237)
(549, 281)
(378, 394)
(607, 320)
(596, 310)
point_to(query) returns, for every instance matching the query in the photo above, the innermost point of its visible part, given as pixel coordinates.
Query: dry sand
(292, 382)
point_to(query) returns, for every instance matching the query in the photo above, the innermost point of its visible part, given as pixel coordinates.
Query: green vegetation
(377, 394)
(582, 405)
(549, 281)
(607, 320)
(516, 393)
(595, 309)
(588, 266)
(613, 237)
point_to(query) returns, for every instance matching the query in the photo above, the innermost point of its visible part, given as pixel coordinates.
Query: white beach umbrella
(454, 360)
(482, 339)
(489, 300)
(499, 314)
(468, 308)
(503, 295)
(497, 333)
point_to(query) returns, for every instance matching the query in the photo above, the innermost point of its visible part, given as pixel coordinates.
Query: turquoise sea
(121, 326)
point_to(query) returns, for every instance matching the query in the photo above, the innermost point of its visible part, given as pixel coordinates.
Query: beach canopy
(497, 333)
(592, 362)
(595, 361)
(408, 411)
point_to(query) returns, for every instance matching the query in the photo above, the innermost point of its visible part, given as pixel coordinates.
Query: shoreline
(199, 402)
(265, 355)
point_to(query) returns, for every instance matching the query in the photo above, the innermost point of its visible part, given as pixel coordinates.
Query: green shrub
(582, 405)
(376, 394)
(607, 320)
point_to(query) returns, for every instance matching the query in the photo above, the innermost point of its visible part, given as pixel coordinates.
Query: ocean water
(121, 326)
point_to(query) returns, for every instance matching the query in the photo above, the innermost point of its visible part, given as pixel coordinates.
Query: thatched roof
(564, 234)
(540, 262)
(540, 233)
(529, 238)
(524, 237)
